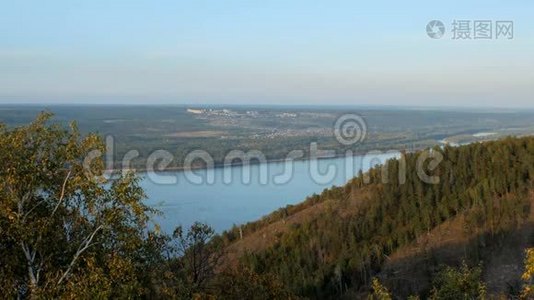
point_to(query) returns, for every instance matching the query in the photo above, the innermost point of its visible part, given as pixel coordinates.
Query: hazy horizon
(480, 108)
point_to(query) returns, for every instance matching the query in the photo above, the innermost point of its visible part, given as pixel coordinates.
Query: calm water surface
(222, 204)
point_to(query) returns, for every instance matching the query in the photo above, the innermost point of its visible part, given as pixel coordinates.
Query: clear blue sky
(264, 52)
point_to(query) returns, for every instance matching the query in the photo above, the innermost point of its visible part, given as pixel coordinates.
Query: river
(222, 197)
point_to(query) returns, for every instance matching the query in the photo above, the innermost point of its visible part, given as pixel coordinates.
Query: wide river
(222, 197)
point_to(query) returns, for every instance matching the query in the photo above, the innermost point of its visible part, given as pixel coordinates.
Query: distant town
(231, 113)
(228, 117)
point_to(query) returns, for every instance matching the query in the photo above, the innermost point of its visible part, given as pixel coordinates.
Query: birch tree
(62, 227)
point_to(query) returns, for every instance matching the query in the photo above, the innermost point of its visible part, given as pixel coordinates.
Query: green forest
(67, 233)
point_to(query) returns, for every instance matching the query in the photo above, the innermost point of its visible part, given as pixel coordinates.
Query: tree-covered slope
(337, 251)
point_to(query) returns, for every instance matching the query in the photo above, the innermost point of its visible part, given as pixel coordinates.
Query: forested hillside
(338, 250)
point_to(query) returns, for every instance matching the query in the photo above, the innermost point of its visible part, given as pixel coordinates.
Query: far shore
(239, 163)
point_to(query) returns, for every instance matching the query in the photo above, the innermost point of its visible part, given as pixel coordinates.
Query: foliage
(459, 283)
(67, 232)
(244, 283)
(199, 254)
(380, 292)
(527, 276)
(62, 225)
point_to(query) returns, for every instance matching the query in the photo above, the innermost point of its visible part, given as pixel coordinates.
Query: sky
(263, 52)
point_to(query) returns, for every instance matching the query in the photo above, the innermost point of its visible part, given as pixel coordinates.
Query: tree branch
(83, 246)
(29, 261)
(62, 195)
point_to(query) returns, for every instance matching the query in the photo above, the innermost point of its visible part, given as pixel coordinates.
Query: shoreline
(241, 163)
